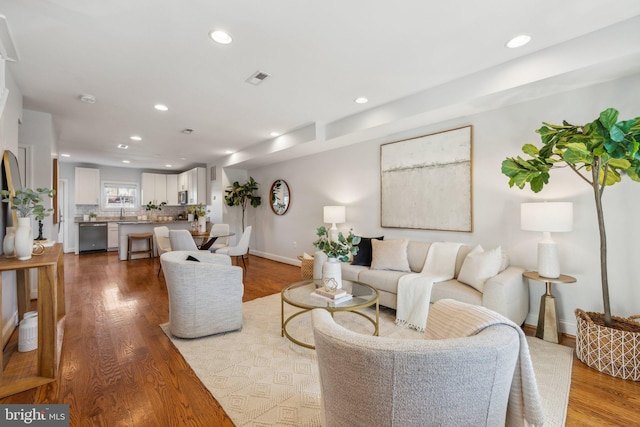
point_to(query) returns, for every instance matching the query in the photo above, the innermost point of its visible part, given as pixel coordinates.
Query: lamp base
(548, 265)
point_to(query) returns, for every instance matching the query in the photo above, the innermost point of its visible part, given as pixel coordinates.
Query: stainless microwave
(182, 197)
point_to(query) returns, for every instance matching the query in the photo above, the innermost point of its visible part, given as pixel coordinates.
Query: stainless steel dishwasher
(93, 237)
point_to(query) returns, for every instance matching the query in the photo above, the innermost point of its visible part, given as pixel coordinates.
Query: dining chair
(240, 249)
(182, 240)
(221, 230)
(163, 244)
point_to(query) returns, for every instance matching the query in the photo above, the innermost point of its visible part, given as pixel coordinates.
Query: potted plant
(336, 250)
(152, 207)
(242, 195)
(26, 202)
(199, 213)
(601, 153)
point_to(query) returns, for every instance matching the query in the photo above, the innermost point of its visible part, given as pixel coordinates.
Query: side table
(548, 325)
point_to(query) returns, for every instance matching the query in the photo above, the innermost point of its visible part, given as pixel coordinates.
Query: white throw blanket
(414, 289)
(463, 320)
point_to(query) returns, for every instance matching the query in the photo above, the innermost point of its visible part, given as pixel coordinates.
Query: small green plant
(27, 201)
(340, 248)
(153, 207)
(198, 210)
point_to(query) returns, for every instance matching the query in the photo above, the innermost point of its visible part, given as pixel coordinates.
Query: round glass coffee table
(300, 294)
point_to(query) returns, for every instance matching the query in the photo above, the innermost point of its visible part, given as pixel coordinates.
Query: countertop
(126, 220)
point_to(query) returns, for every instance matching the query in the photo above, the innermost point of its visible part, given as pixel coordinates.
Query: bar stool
(136, 237)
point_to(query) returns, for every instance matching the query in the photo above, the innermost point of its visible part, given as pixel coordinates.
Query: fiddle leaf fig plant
(242, 194)
(601, 153)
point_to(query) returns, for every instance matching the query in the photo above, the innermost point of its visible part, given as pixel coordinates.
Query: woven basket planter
(306, 268)
(614, 351)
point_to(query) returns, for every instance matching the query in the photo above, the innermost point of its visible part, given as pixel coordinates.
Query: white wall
(350, 176)
(37, 134)
(9, 141)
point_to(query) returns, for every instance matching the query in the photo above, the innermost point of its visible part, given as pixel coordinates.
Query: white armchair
(376, 381)
(219, 230)
(205, 296)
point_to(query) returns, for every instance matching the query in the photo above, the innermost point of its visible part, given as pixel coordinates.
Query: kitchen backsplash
(172, 211)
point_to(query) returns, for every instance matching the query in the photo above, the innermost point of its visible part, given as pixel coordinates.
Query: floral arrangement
(340, 248)
(198, 210)
(152, 207)
(27, 201)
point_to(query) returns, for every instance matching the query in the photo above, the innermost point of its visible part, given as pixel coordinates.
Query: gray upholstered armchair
(205, 297)
(376, 381)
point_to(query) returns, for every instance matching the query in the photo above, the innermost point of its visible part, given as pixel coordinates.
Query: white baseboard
(278, 258)
(8, 328)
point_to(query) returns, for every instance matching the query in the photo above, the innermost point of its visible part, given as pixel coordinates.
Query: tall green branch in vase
(242, 195)
(601, 153)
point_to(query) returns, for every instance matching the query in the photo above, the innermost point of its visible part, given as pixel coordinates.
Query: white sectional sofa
(506, 292)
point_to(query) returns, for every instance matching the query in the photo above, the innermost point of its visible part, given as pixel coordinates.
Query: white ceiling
(321, 55)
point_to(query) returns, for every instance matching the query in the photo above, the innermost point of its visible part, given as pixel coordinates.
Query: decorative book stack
(335, 296)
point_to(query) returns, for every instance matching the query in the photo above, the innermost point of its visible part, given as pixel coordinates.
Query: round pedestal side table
(548, 324)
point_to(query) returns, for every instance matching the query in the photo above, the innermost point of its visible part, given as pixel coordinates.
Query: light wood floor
(117, 368)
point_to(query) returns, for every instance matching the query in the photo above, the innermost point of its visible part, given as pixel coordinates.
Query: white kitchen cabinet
(112, 236)
(172, 190)
(154, 188)
(197, 190)
(183, 181)
(87, 186)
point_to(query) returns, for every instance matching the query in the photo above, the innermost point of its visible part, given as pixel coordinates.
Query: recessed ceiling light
(126, 161)
(135, 138)
(274, 134)
(220, 36)
(123, 146)
(187, 131)
(361, 100)
(518, 41)
(167, 166)
(183, 158)
(228, 152)
(65, 155)
(161, 107)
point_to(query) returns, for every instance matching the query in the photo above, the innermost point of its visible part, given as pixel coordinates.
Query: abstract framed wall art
(425, 182)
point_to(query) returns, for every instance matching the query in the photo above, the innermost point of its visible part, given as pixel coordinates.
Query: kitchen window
(118, 195)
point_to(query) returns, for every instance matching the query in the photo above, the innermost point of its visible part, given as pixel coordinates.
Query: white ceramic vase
(190, 217)
(8, 243)
(331, 269)
(202, 224)
(23, 242)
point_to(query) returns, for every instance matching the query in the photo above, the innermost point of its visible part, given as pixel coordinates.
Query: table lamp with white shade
(334, 215)
(547, 217)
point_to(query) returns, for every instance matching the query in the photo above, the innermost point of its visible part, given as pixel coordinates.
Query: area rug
(262, 379)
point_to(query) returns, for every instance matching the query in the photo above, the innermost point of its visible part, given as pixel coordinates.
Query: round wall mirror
(280, 197)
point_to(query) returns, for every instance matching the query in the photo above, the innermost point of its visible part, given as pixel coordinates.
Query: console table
(51, 312)
(548, 324)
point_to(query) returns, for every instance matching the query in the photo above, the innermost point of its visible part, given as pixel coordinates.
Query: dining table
(206, 241)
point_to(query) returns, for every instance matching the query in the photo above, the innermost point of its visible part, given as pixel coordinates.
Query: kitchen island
(127, 227)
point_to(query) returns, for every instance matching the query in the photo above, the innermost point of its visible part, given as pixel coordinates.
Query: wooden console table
(51, 312)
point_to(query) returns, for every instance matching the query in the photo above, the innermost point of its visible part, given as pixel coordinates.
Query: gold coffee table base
(298, 295)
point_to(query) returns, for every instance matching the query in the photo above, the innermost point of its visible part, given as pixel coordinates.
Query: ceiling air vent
(257, 77)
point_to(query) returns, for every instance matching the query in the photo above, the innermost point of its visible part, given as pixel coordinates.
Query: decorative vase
(40, 237)
(153, 216)
(23, 242)
(202, 224)
(190, 217)
(332, 269)
(8, 243)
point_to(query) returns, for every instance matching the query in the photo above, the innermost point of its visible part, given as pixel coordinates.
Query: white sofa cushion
(390, 255)
(480, 265)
